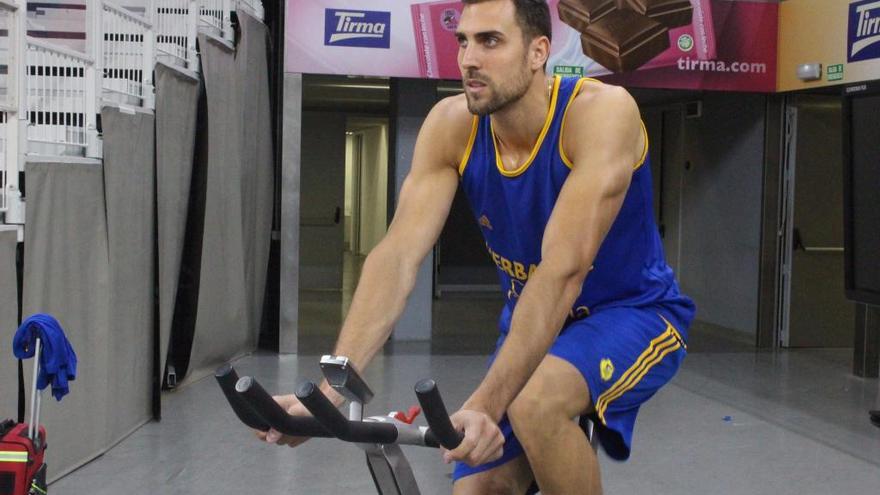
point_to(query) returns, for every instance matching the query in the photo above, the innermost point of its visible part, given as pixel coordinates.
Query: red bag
(22, 470)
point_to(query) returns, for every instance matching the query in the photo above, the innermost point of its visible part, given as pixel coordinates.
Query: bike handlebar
(227, 377)
(274, 415)
(441, 430)
(258, 410)
(349, 431)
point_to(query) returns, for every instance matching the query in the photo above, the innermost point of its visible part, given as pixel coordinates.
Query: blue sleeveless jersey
(513, 207)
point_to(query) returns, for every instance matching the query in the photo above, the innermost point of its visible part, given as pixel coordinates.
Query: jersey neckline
(550, 114)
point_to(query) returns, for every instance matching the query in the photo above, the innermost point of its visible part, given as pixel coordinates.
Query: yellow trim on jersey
(664, 344)
(522, 168)
(568, 163)
(470, 146)
(645, 151)
(577, 90)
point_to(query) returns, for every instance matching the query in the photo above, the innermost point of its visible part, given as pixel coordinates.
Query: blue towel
(57, 359)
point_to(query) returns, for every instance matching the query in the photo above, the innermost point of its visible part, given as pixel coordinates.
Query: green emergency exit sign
(568, 70)
(835, 72)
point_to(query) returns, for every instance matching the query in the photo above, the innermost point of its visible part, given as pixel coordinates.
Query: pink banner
(701, 44)
(745, 58)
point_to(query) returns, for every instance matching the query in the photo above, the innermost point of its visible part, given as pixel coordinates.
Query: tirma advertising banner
(694, 44)
(842, 36)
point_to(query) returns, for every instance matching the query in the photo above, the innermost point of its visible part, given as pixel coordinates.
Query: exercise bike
(379, 436)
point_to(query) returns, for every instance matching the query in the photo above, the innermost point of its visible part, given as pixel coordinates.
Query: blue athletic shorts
(625, 354)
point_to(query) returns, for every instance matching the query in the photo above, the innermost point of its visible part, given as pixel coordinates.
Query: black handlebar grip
(436, 415)
(226, 378)
(431, 439)
(349, 431)
(322, 409)
(264, 405)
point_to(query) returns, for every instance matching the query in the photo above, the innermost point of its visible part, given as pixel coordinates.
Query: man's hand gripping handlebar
(258, 410)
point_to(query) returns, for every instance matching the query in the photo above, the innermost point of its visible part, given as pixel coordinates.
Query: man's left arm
(604, 139)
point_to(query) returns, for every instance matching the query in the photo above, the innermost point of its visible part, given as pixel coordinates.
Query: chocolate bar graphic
(670, 13)
(624, 40)
(579, 14)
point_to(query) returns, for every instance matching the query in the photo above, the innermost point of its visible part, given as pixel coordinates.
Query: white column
(192, 33)
(228, 35)
(16, 125)
(149, 61)
(290, 210)
(94, 75)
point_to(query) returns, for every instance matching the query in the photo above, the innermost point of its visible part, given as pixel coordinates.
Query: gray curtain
(8, 325)
(90, 247)
(256, 158)
(177, 98)
(239, 198)
(67, 274)
(130, 191)
(89, 261)
(222, 324)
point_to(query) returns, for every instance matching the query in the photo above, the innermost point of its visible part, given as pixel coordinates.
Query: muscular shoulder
(447, 129)
(599, 100)
(600, 110)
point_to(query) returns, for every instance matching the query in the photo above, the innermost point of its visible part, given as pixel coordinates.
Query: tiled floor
(729, 423)
(733, 421)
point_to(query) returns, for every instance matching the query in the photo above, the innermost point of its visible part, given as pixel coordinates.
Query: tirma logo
(864, 31)
(357, 28)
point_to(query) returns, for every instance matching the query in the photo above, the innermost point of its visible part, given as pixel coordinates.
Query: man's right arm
(389, 272)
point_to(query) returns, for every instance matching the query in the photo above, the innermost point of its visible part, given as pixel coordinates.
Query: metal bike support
(388, 466)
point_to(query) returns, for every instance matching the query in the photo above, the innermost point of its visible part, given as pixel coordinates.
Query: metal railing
(176, 30)
(60, 105)
(216, 16)
(63, 89)
(50, 96)
(7, 31)
(127, 56)
(177, 23)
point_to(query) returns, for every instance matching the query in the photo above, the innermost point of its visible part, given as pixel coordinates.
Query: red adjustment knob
(410, 415)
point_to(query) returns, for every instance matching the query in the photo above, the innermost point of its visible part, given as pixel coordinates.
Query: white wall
(721, 209)
(712, 194)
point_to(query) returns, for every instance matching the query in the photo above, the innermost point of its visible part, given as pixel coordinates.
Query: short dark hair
(533, 17)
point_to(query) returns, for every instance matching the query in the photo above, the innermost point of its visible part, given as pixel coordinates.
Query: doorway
(366, 196)
(813, 310)
(366, 183)
(343, 211)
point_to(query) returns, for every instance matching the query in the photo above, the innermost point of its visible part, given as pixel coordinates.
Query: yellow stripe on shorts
(665, 343)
